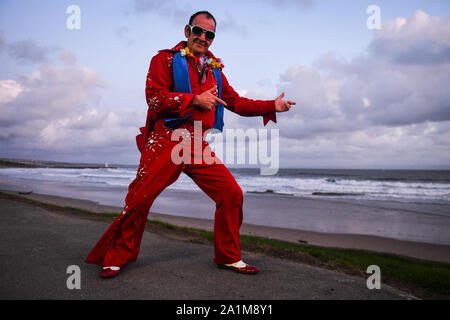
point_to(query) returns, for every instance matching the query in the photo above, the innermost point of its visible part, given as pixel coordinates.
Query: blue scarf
(183, 84)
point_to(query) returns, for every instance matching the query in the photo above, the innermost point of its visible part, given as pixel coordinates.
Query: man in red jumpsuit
(121, 242)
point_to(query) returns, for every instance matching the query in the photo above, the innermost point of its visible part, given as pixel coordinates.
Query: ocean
(421, 186)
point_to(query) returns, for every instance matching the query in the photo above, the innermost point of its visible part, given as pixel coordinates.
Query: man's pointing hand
(207, 100)
(283, 105)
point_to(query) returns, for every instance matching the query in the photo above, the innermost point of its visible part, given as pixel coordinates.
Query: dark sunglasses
(197, 31)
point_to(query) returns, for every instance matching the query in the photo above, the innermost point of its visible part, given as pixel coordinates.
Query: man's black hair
(206, 13)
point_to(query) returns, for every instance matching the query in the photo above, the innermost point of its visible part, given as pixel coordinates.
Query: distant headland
(24, 163)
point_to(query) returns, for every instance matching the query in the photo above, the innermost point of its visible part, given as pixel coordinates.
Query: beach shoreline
(419, 250)
(409, 221)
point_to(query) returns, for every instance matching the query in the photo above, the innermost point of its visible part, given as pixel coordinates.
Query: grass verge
(422, 278)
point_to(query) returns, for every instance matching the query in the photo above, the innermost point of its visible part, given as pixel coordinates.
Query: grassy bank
(424, 279)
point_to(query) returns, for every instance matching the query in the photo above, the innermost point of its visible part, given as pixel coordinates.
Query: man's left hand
(283, 105)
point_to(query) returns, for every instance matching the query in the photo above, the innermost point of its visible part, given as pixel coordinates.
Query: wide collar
(182, 45)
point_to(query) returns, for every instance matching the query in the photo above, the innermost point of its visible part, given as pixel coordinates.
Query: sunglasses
(197, 31)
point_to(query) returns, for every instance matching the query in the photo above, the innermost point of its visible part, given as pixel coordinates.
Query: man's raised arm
(249, 107)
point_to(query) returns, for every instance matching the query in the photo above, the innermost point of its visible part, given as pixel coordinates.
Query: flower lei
(214, 63)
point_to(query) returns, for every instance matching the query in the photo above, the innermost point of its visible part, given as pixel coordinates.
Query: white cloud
(390, 104)
(376, 88)
(59, 108)
(422, 145)
(420, 39)
(366, 102)
(9, 90)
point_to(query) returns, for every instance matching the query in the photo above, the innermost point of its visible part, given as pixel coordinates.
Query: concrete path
(37, 247)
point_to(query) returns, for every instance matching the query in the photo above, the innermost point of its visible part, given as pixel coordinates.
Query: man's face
(199, 44)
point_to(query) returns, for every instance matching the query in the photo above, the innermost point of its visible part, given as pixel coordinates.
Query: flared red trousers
(157, 170)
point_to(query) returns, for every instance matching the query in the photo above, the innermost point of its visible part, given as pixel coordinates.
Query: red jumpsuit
(120, 243)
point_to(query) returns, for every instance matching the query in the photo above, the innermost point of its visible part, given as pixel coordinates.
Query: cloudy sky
(366, 98)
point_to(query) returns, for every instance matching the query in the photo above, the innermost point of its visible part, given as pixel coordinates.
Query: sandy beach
(420, 250)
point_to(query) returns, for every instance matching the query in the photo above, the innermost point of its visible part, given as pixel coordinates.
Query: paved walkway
(37, 247)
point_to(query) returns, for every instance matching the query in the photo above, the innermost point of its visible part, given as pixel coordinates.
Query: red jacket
(163, 102)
